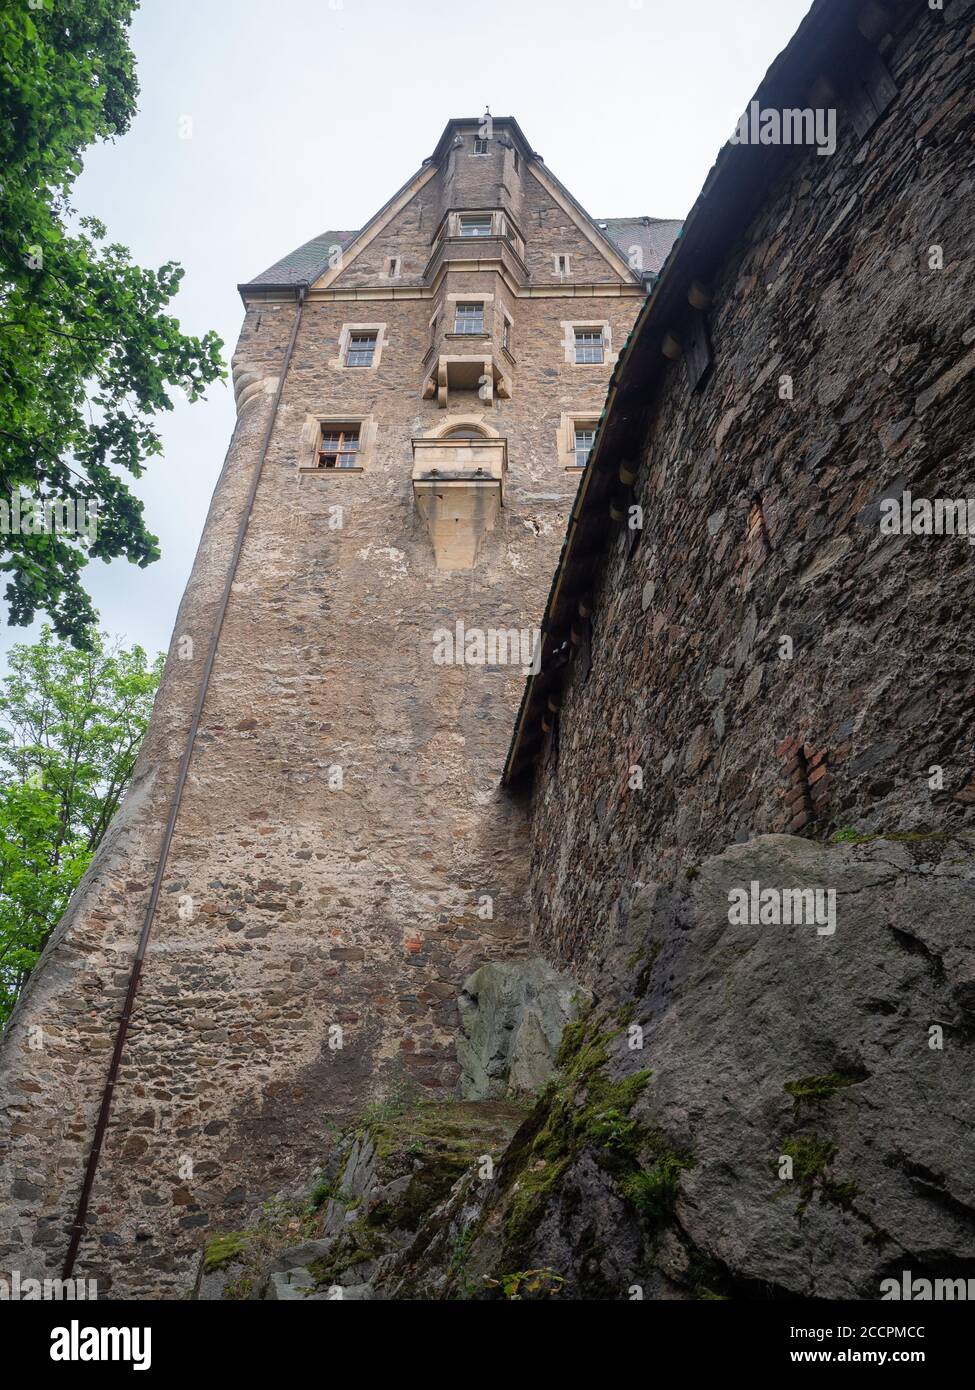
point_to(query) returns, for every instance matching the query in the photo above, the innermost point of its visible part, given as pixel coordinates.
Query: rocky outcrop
(754, 1107)
(754, 1110)
(379, 1183)
(512, 1018)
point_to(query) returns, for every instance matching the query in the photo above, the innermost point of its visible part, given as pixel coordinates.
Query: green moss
(811, 1157)
(854, 837)
(224, 1248)
(321, 1192)
(653, 1191)
(582, 1108)
(358, 1243)
(541, 1283)
(814, 1090)
(847, 836)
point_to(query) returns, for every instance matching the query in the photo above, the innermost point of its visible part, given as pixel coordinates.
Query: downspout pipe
(104, 1110)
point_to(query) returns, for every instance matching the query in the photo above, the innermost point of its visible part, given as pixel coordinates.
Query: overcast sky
(264, 122)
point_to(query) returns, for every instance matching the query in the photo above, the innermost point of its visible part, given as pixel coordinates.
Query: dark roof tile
(654, 236)
(305, 264)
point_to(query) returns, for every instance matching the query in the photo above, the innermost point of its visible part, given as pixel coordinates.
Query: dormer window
(480, 145)
(476, 226)
(469, 318)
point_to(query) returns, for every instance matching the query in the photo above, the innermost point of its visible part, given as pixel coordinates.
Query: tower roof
(654, 236)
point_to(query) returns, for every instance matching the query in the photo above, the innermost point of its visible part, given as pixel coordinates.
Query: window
(476, 226)
(339, 447)
(480, 145)
(469, 318)
(463, 432)
(362, 346)
(506, 333)
(561, 265)
(584, 436)
(576, 436)
(517, 160)
(589, 344)
(337, 444)
(392, 269)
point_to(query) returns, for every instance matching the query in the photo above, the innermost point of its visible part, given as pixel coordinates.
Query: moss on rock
(224, 1248)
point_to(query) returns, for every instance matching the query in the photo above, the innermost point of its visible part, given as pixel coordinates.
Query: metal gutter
(104, 1110)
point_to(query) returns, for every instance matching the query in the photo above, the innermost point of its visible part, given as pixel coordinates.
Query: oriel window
(476, 226)
(469, 318)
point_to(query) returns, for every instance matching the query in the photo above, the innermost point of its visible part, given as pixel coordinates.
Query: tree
(71, 723)
(87, 355)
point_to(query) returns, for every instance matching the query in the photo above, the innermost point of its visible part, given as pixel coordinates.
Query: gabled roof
(653, 235)
(308, 263)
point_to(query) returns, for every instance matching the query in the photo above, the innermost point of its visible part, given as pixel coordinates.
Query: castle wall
(292, 906)
(762, 523)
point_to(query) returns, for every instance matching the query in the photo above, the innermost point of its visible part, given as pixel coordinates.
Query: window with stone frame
(584, 436)
(589, 345)
(469, 317)
(476, 226)
(361, 349)
(338, 446)
(480, 145)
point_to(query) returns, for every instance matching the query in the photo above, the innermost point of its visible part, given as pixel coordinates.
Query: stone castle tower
(315, 852)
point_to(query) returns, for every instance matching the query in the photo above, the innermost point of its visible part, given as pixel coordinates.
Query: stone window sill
(328, 472)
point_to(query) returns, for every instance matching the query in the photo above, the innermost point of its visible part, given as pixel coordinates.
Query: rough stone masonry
(761, 656)
(343, 858)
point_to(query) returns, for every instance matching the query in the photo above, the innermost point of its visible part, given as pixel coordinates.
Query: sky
(264, 122)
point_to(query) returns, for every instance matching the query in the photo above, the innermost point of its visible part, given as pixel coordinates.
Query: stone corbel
(458, 487)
